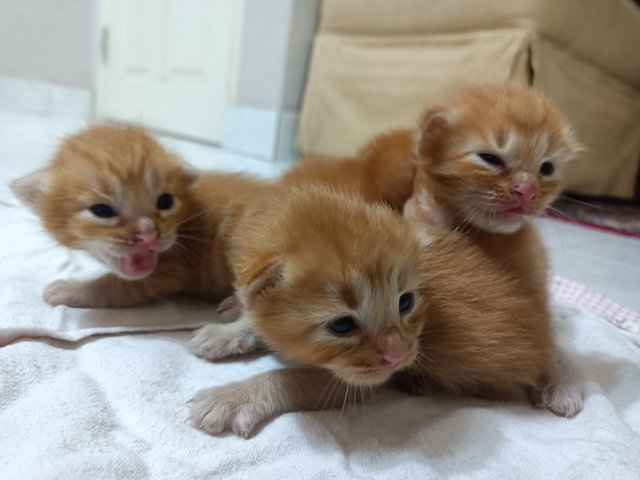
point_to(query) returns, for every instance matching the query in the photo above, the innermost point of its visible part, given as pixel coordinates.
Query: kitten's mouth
(374, 375)
(135, 264)
(514, 214)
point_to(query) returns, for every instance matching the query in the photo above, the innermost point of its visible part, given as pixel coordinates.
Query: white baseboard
(32, 96)
(263, 133)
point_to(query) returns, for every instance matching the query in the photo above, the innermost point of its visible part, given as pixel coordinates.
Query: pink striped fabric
(567, 291)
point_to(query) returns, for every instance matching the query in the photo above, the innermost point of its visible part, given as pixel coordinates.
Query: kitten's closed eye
(102, 210)
(546, 169)
(491, 159)
(164, 202)
(342, 325)
(405, 303)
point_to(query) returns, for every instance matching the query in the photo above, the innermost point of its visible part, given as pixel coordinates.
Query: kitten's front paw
(563, 400)
(217, 341)
(66, 292)
(226, 409)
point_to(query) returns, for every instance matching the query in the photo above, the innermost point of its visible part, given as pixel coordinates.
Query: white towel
(29, 260)
(114, 407)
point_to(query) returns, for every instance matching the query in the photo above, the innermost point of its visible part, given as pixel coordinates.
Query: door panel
(169, 64)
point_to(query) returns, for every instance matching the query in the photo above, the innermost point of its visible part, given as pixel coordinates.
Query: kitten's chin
(362, 380)
(501, 222)
(508, 222)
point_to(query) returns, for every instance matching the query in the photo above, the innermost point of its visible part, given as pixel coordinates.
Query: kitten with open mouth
(159, 226)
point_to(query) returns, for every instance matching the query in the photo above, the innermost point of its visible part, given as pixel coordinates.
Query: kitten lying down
(160, 227)
(362, 297)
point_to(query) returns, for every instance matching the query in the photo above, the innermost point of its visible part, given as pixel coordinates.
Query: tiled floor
(607, 263)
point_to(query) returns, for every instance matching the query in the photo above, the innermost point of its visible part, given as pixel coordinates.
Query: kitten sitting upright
(486, 162)
(161, 228)
(489, 161)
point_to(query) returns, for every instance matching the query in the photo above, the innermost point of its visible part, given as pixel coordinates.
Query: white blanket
(113, 406)
(29, 259)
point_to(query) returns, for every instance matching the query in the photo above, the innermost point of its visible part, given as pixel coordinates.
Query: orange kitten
(490, 160)
(325, 279)
(160, 228)
(350, 289)
(485, 162)
(314, 251)
(485, 335)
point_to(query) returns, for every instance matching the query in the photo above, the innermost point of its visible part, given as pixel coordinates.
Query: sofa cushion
(360, 86)
(605, 114)
(605, 33)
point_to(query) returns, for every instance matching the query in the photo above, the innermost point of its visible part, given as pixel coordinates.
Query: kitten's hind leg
(241, 407)
(220, 340)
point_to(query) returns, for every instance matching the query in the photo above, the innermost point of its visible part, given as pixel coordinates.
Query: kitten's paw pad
(230, 309)
(65, 292)
(217, 341)
(223, 409)
(563, 400)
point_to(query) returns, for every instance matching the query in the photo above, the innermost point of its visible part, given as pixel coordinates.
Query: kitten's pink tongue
(138, 263)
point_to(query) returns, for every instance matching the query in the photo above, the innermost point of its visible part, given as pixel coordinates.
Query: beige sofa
(377, 63)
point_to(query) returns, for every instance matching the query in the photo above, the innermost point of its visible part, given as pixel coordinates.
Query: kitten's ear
(31, 189)
(264, 275)
(434, 125)
(191, 174)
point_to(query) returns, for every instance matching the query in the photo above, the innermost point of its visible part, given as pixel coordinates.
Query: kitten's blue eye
(491, 159)
(164, 202)
(342, 325)
(405, 304)
(546, 169)
(102, 210)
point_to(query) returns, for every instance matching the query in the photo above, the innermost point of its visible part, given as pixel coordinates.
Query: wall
(276, 42)
(304, 23)
(275, 48)
(49, 40)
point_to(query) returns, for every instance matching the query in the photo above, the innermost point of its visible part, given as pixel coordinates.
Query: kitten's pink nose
(393, 359)
(147, 237)
(146, 233)
(393, 349)
(524, 188)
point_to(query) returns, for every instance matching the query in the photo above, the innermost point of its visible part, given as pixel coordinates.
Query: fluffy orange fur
(383, 171)
(441, 163)
(315, 257)
(484, 163)
(102, 193)
(319, 256)
(484, 335)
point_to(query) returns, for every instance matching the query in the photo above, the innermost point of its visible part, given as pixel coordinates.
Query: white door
(169, 64)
